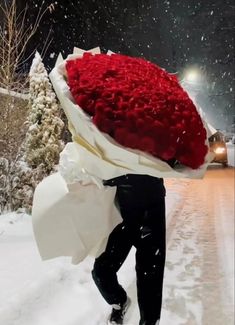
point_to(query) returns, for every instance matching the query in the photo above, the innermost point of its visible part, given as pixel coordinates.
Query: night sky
(176, 35)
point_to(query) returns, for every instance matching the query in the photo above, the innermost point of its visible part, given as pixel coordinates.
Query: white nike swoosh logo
(145, 235)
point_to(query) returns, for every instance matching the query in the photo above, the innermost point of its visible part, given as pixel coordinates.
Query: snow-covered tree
(17, 181)
(43, 139)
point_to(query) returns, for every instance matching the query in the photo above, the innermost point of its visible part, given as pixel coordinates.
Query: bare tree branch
(15, 35)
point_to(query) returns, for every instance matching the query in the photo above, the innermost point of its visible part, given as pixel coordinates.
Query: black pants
(142, 206)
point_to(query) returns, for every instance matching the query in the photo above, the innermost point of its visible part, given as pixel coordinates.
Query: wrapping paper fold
(72, 220)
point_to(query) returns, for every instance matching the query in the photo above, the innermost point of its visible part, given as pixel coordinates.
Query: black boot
(118, 313)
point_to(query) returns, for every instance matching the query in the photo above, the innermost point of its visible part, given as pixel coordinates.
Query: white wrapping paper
(72, 220)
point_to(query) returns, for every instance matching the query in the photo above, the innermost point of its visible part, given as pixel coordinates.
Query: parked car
(219, 148)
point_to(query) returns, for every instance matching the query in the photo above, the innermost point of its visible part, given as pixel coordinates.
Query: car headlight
(219, 150)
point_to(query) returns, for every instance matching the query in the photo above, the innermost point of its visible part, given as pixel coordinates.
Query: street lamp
(192, 76)
(192, 80)
(194, 83)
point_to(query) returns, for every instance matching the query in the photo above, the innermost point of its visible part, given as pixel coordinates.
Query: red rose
(140, 105)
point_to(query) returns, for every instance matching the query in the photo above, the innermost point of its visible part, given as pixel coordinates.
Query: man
(141, 200)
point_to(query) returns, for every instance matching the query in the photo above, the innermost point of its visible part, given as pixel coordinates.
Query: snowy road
(198, 285)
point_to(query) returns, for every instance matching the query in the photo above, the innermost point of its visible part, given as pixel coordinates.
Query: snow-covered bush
(14, 192)
(16, 185)
(43, 140)
(3, 182)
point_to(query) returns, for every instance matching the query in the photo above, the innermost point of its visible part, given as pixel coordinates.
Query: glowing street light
(192, 76)
(192, 80)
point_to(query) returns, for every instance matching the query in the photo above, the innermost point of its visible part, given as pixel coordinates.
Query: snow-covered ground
(198, 285)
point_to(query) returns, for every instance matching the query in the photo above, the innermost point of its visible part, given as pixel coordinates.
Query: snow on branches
(43, 140)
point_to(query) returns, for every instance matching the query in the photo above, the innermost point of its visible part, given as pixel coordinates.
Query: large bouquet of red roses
(140, 105)
(127, 115)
